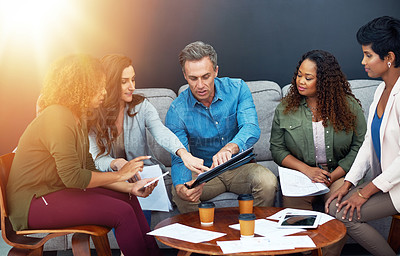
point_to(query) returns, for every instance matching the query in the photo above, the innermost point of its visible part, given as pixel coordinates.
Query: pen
(320, 167)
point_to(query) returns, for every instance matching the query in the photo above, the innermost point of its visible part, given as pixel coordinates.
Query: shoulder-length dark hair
(333, 91)
(104, 125)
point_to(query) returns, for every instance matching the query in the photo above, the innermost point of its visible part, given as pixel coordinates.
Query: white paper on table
(299, 241)
(265, 244)
(295, 183)
(247, 245)
(158, 200)
(186, 233)
(323, 219)
(269, 229)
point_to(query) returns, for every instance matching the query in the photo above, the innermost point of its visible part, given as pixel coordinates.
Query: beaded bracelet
(363, 197)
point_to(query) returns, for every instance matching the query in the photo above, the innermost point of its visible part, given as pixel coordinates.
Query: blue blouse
(375, 133)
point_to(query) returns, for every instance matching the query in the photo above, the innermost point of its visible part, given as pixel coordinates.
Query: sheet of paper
(323, 219)
(295, 183)
(269, 229)
(158, 200)
(265, 244)
(186, 233)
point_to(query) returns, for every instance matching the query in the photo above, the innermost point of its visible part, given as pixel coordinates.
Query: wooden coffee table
(326, 234)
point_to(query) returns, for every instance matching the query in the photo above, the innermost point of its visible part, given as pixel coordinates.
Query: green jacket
(51, 155)
(292, 133)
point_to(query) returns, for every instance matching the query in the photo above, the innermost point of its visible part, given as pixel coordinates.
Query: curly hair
(333, 89)
(73, 81)
(104, 125)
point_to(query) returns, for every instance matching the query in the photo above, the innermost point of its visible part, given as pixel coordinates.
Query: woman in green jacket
(319, 125)
(53, 181)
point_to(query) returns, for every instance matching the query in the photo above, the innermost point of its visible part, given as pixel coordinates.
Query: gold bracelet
(360, 195)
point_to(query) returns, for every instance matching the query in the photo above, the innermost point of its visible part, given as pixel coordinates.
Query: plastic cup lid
(245, 197)
(206, 205)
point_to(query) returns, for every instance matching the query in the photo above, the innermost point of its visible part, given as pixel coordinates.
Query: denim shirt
(292, 133)
(231, 118)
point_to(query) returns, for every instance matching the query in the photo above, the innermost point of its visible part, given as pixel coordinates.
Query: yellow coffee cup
(247, 224)
(245, 203)
(206, 212)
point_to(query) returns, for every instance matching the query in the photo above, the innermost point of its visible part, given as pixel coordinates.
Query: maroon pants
(96, 206)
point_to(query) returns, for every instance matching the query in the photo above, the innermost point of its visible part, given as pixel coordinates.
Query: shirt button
(222, 138)
(330, 160)
(327, 146)
(290, 127)
(327, 131)
(216, 122)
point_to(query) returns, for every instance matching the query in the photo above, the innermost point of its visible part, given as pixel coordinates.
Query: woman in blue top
(356, 203)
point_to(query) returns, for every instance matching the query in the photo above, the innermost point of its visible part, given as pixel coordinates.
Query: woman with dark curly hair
(319, 126)
(356, 203)
(53, 181)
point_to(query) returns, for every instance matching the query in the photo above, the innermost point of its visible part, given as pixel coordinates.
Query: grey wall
(255, 39)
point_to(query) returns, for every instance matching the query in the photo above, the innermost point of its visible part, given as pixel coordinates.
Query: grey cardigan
(135, 140)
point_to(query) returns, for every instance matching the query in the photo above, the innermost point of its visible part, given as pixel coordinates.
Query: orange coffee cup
(247, 224)
(245, 203)
(206, 212)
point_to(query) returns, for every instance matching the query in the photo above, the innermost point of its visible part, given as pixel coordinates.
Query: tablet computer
(293, 220)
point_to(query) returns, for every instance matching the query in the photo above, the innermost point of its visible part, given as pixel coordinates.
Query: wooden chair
(394, 233)
(25, 245)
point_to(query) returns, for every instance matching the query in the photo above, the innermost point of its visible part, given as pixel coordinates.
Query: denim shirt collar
(217, 96)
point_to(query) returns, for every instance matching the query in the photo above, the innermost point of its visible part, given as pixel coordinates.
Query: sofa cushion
(266, 96)
(364, 90)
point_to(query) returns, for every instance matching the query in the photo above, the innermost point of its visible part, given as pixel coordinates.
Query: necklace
(314, 112)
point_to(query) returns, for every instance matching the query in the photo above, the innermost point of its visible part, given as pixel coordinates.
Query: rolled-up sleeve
(249, 131)
(179, 173)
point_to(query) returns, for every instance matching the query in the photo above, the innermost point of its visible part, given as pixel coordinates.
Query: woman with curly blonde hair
(53, 173)
(319, 126)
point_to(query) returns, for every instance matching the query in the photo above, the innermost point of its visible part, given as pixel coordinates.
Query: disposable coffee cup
(206, 212)
(245, 203)
(247, 223)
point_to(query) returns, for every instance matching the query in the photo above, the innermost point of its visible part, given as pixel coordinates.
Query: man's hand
(191, 195)
(224, 154)
(194, 164)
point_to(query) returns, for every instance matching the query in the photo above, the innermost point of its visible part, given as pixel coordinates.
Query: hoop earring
(389, 64)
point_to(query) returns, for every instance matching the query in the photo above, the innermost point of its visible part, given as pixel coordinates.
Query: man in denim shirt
(215, 118)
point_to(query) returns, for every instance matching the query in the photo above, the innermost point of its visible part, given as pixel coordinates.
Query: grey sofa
(266, 95)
